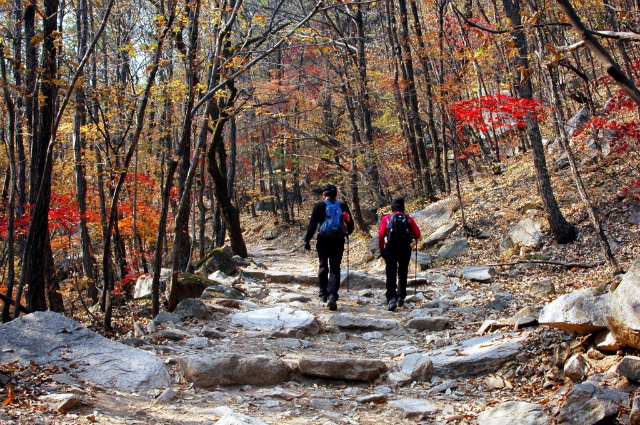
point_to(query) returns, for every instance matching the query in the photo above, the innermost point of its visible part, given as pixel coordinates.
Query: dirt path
(304, 400)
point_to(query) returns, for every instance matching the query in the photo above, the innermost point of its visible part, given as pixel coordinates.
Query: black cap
(330, 190)
(397, 204)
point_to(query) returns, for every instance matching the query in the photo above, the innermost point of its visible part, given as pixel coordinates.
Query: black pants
(397, 267)
(329, 258)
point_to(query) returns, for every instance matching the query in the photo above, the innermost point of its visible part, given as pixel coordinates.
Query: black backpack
(399, 230)
(333, 226)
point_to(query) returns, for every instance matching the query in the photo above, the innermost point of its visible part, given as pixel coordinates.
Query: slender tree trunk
(413, 109)
(80, 119)
(37, 259)
(602, 238)
(11, 202)
(106, 254)
(370, 161)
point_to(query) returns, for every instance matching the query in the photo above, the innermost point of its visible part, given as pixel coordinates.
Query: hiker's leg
(335, 257)
(403, 270)
(323, 269)
(391, 270)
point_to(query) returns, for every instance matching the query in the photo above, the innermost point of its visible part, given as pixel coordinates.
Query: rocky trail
(468, 347)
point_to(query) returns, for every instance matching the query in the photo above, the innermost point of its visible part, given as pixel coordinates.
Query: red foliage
(496, 111)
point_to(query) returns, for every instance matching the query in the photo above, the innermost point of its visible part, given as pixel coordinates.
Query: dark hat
(330, 190)
(397, 204)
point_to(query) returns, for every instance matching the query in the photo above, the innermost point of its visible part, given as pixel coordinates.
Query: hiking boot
(333, 305)
(392, 304)
(323, 298)
(400, 302)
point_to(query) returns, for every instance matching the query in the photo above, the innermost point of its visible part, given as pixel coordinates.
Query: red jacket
(382, 230)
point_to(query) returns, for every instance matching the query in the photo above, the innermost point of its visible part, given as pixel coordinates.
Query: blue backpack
(332, 227)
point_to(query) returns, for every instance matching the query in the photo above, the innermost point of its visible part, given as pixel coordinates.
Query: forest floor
(494, 204)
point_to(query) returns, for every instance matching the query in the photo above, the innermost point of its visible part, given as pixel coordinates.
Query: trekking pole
(415, 275)
(347, 263)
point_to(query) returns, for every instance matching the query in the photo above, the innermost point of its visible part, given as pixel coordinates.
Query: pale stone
(622, 316)
(579, 311)
(277, 318)
(514, 413)
(47, 337)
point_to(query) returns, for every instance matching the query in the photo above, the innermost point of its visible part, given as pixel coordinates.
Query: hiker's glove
(307, 246)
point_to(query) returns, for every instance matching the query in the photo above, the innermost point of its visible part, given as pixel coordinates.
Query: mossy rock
(194, 286)
(215, 260)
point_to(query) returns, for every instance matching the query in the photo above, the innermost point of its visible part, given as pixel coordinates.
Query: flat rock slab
(441, 234)
(206, 371)
(47, 337)
(579, 311)
(345, 368)
(414, 407)
(363, 323)
(452, 248)
(514, 413)
(477, 356)
(478, 274)
(277, 318)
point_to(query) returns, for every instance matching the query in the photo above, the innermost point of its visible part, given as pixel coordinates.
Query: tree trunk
(564, 142)
(562, 230)
(11, 201)
(37, 262)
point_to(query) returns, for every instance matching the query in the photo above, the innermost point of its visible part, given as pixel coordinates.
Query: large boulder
(218, 259)
(344, 368)
(191, 307)
(232, 369)
(578, 121)
(587, 404)
(51, 338)
(440, 235)
(526, 234)
(435, 215)
(195, 286)
(622, 315)
(579, 311)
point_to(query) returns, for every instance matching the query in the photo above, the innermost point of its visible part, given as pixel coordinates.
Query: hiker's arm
(382, 231)
(415, 229)
(313, 223)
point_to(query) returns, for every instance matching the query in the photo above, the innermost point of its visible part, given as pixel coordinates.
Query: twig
(12, 302)
(555, 263)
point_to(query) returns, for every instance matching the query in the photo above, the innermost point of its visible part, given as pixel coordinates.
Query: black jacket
(318, 215)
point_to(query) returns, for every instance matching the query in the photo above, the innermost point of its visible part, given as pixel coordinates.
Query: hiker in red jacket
(333, 220)
(397, 231)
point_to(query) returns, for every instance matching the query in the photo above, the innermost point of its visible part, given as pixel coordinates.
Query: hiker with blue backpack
(395, 235)
(333, 220)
